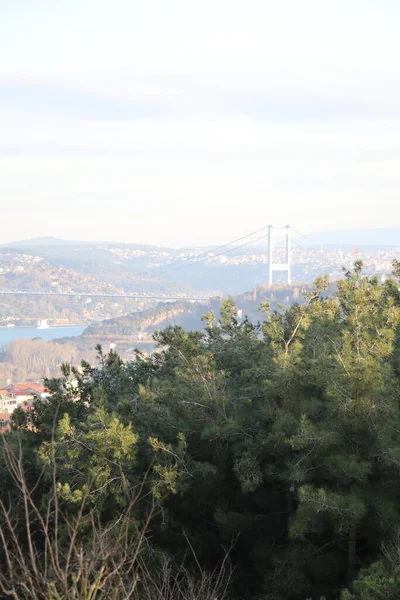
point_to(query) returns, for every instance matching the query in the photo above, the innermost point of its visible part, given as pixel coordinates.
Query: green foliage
(375, 583)
(396, 268)
(281, 438)
(92, 456)
(381, 580)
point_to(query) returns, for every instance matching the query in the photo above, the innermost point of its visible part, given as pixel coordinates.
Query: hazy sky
(195, 121)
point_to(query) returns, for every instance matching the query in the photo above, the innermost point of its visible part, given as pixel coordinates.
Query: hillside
(53, 242)
(138, 267)
(188, 314)
(50, 264)
(148, 320)
(71, 269)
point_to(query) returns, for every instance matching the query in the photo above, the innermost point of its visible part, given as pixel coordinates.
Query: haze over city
(183, 123)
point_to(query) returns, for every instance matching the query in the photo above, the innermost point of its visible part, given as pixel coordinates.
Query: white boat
(43, 324)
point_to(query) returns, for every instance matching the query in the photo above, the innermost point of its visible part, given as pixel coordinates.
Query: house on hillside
(27, 391)
(22, 396)
(19, 395)
(7, 405)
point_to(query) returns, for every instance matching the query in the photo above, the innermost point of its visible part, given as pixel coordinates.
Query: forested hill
(148, 320)
(189, 315)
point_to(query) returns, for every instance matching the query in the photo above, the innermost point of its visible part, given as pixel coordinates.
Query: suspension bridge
(268, 236)
(102, 295)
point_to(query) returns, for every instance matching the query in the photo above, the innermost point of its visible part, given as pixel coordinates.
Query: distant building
(32, 390)
(18, 395)
(22, 396)
(24, 392)
(7, 405)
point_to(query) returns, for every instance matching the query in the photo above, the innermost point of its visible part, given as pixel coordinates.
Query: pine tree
(348, 450)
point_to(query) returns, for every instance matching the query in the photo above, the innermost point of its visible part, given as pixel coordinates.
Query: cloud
(172, 122)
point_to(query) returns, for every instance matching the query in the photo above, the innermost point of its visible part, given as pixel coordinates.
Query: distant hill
(186, 314)
(358, 237)
(40, 241)
(54, 242)
(389, 236)
(189, 315)
(137, 267)
(99, 260)
(168, 271)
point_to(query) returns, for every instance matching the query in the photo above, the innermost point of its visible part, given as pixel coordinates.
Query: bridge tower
(286, 266)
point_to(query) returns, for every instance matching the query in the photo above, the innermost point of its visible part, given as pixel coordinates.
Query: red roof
(21, 387)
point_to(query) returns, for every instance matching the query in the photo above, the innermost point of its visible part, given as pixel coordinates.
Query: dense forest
(244, 461)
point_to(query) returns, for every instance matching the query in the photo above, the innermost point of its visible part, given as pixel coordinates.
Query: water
(8, 334)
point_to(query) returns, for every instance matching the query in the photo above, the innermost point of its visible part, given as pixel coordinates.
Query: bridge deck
(137, 296)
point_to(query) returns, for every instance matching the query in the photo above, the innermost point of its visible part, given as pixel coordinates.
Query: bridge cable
(204, 255)
(292, 241)
(308, 240)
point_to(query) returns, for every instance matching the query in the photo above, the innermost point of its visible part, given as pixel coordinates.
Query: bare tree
(50, 555)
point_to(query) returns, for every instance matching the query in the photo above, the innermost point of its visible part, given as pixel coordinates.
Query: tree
(381, 580)
(348, 450)
(281, 438)
(396, 268)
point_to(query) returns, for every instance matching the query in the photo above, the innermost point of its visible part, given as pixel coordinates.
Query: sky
(186, 122)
